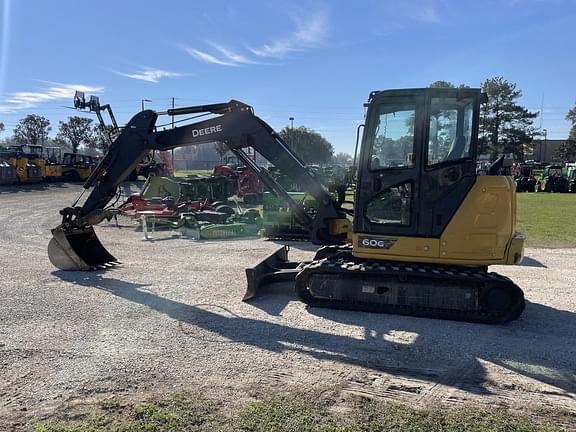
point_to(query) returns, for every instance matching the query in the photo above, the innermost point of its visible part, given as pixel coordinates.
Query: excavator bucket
(78, 249)
(275, 268)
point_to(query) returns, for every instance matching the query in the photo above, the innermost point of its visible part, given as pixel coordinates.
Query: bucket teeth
(79, 250)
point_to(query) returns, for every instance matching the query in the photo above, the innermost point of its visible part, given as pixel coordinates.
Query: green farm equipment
(189, 188)
(571, 176)
(552, 179)
(279, 221)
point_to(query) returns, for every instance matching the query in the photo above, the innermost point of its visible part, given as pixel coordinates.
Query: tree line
(505, 127)
(74, 133)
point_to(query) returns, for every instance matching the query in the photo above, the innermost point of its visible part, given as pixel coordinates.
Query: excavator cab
(418, 182)
(417, 161)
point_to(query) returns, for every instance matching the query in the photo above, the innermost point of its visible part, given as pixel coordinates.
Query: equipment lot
(170, 319)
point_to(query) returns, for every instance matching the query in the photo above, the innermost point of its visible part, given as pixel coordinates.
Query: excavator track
(432, 291)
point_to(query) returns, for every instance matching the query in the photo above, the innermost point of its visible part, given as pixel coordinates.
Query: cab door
(417, 161)
(449, 160)
(387, 197)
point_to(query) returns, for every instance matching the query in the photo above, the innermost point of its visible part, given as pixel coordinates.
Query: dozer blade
(275, 268)
(78, 249)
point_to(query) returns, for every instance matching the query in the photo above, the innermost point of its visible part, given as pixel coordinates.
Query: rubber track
(342, 264)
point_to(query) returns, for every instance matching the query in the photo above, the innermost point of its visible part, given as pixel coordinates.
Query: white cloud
(311, 30)
(29, 99)
(208, 58)
(231, 56)
(150, 75)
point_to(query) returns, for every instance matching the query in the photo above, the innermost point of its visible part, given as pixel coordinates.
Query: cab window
(393, 140)
(450, 130)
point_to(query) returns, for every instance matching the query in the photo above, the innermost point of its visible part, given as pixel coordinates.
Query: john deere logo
(206, 131)
(376, 243)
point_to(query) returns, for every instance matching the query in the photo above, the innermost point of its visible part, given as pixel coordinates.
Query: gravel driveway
(170, 319)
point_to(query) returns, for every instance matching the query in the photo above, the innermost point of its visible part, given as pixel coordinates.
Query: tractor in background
(571, 177)
(525, 177)
(552, 179)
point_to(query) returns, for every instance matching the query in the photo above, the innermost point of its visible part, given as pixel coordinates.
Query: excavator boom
(75, 246)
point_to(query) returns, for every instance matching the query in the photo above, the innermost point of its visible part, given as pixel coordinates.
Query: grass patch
(297, 415)
(179, 413)
(547, 219)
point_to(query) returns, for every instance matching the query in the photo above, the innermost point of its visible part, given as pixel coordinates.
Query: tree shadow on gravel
(443, 352)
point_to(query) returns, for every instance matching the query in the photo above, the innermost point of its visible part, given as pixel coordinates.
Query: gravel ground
(170, 319)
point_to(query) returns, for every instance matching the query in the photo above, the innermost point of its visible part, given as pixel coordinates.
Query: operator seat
(457, 149)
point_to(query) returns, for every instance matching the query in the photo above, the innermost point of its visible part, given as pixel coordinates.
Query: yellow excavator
(424, 228)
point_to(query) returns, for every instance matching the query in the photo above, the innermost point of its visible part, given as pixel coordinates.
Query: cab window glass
(393, 145)
(392, 206)
(450, 130)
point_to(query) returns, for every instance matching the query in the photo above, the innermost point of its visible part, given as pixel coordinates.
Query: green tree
(342, 158)
(2, 127)
(571, 116)
(75, 132)
(102, 136)
(567, 150)
(505, 126)
(446, 84)
(309, 145)
(32, 129)
(442, 84)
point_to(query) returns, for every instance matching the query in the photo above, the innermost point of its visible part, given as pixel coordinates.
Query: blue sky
(315, 60)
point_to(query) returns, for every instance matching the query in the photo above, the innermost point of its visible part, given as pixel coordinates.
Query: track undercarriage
(338, 280)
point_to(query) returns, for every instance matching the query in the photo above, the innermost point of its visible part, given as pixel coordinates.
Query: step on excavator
(424, 227)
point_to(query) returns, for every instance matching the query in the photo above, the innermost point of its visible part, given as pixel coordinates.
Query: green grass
(291, 415)
(547, 219)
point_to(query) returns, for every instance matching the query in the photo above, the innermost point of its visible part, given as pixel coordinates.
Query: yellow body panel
(52, 171)
(83, 173)
(22, 165)
(482, 232)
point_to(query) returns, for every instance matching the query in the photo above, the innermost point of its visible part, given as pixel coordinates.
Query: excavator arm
(75, 246)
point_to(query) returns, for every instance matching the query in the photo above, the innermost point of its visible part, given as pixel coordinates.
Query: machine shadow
(439, 351)
(524, 346)
(531, 262)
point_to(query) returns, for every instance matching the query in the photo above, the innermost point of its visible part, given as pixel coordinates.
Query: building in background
(545, 150)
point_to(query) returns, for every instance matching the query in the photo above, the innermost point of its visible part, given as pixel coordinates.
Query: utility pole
(144, 100)
(173, 167)
(291, 131)
(545, 143)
